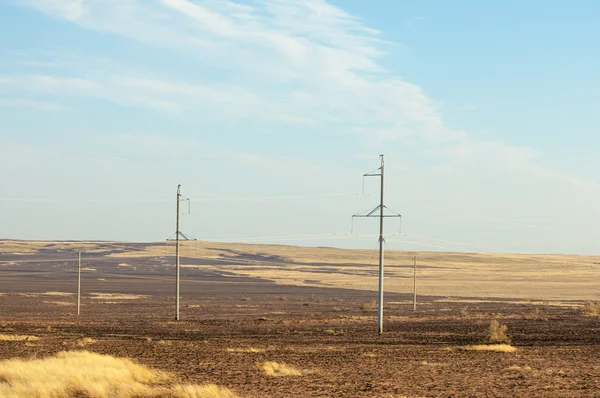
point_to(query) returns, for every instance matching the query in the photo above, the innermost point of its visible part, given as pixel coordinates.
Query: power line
(500, 221)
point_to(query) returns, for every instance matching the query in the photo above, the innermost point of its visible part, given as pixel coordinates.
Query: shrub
(591, 308)
(496, 333)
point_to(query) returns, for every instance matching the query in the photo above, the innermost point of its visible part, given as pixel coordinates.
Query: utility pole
(415, 284)
(177, 254)
(381, 248)
(379, 173)
(178, 236)
(78, 282)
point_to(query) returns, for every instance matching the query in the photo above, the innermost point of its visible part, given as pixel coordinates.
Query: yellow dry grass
(369, 355)
(204, 391)
(278, 369)
(57, 294)
(82, 373)
(61, 303)
(17, 337)
(245, 350)
(116, 296)
(85, 341)
(491, 347)
(555, 277)
(518, 368)
(591, 308)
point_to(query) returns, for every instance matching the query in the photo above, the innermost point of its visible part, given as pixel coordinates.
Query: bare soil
(327, 333)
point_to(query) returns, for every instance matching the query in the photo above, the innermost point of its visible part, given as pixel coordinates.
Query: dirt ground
(229, 323)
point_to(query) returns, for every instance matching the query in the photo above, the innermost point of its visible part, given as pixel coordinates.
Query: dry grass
(278, 369)
(61, 303)
(82, 373)
(491, 347)
(369, 355)
(85, 341)
(204, 391)
(164, 342)
(116, 296)
(518, 368)
(370, 306)
(333, 332)
(556, 277)
(57, 294)
(245, 350)
(591, 308)
(17, 337)
(496, 333)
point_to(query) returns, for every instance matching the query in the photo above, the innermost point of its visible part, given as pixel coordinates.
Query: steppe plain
(312, 309)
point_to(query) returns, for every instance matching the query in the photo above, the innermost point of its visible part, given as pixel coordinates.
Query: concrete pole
(177, 257)
(415, 284)
(381, 248)
(78, 282)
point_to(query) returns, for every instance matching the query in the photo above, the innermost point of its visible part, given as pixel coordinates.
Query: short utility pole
(379, 173)
(415, 284)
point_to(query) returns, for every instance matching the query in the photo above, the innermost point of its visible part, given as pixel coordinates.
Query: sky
(268, 113)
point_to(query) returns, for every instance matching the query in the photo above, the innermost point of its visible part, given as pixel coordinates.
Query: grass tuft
(245, 350)
(278, 369)
(83, 373)
(204, 391)
(518, 368)
(17, 337)
(491, 347)
(85, 341)
(369, 355)
(369, 306)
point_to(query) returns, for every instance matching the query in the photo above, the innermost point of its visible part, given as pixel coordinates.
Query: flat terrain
(247, 304)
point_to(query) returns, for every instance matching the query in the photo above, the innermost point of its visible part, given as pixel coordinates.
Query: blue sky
(268, 112)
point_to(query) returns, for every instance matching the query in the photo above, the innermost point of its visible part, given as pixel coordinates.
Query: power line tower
(177, 236)
(379, 173)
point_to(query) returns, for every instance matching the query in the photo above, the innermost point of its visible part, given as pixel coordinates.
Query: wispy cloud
(22, 103)
(309, 60)
(287, 62)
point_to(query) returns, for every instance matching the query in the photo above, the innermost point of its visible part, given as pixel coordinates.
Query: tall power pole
(381, 248)
(379, 173)
(178, 236)
(177, 253)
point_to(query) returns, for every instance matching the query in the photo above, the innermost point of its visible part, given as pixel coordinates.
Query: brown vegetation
(278, 369)
(591, 308)
(82, 373)
(496, 333)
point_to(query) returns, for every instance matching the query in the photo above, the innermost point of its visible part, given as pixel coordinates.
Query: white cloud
(325, 57)
(293, 62)
(23, 103)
